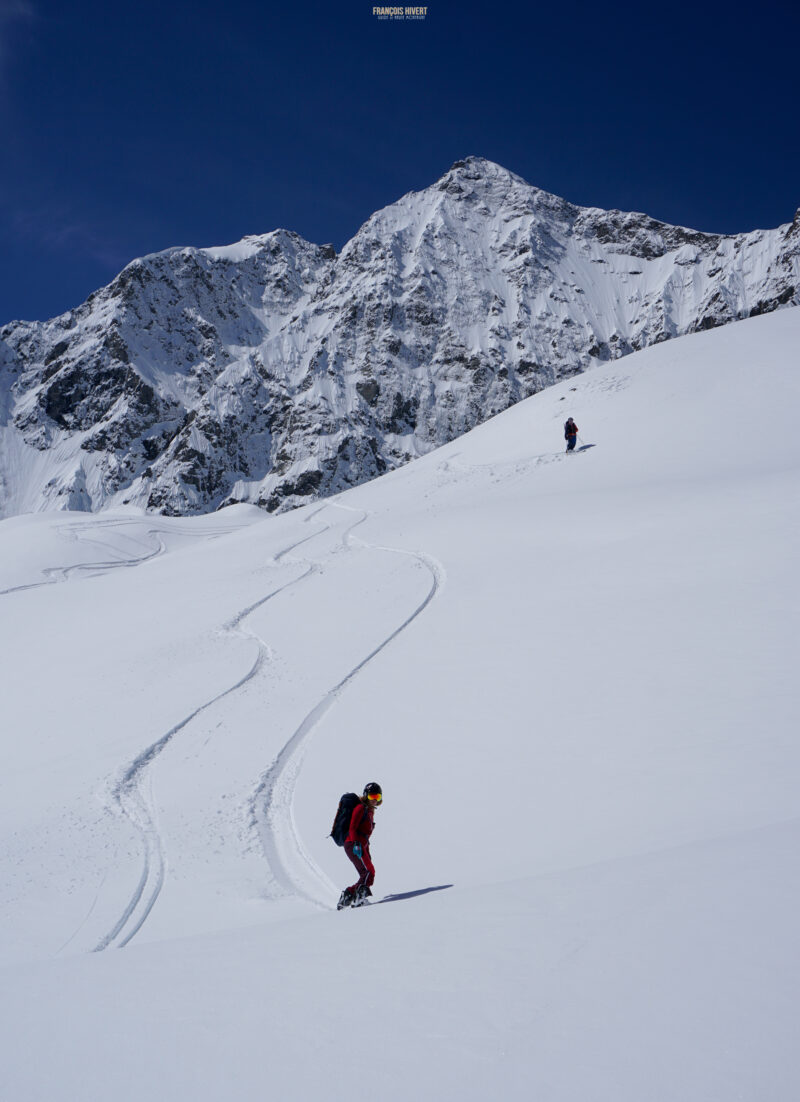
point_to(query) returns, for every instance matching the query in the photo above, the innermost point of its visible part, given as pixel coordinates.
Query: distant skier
(356, 846)
(570, 434)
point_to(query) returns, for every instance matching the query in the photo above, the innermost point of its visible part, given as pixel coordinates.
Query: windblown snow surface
(575, 678)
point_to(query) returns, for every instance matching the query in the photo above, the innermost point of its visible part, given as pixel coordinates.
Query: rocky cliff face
(274, 371)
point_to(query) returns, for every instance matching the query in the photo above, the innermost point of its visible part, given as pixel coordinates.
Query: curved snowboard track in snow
(271, 803)
(128, 794)
(131, 796)
(55, 574)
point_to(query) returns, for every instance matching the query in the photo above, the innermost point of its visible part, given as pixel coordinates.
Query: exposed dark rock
(55, 352)
(766, 306)
(369, 391)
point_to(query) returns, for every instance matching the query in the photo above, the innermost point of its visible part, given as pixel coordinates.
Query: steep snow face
(273, 371)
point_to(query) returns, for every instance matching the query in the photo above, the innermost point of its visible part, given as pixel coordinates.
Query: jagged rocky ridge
(275, 371)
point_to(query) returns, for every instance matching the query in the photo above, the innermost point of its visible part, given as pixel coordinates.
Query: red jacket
(362, 824)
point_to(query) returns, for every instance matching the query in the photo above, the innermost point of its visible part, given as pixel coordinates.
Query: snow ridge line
(271, 803)
(128, 797)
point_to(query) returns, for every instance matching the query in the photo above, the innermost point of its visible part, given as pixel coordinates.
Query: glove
(357, 850)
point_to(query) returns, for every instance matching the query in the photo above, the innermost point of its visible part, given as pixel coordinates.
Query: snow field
(572, 675)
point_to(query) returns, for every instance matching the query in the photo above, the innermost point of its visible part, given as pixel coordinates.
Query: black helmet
(373, 793)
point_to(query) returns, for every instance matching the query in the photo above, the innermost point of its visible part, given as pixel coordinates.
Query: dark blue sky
(128, 128)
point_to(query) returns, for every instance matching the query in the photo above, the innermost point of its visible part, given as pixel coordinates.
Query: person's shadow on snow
(412, 895)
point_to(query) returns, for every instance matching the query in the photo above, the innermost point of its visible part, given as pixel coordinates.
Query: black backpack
(344, 813)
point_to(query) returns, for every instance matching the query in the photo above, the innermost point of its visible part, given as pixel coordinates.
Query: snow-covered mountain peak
(477, 180)
(471, 189)
(477, 175)
(252, 252)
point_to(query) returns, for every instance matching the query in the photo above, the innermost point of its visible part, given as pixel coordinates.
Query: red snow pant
(363, 864)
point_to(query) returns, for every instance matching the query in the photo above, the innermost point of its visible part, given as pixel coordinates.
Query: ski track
(270, 807)
(271, 803)
(499, 470)
(131, 795)
(124, 794)
(55, 574)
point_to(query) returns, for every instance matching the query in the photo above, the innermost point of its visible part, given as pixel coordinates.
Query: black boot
(345, 899)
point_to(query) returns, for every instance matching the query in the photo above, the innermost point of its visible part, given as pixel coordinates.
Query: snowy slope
(275, 371)
(574, 678)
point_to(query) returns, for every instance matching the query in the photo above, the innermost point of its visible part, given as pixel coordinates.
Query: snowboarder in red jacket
(356, 846)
